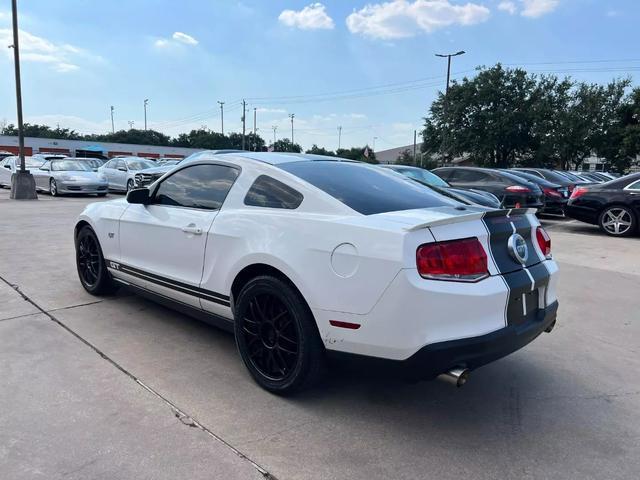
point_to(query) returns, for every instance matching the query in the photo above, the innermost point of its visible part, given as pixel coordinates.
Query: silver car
(120, 171)
(69, 176)
(10, 165)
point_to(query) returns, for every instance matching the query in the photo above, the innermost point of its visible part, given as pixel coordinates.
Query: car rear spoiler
(465, 217)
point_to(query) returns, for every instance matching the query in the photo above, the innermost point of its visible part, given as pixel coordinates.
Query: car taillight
(517, 189)
(544, 241)
(579, 191)
(551, 192)
(455, 260)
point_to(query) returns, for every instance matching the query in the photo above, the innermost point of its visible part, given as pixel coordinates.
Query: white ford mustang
(307, 258)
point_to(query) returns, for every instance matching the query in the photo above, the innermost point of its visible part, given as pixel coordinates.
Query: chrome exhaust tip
(456, 376)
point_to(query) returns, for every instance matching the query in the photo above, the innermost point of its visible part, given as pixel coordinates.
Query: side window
(634, 186)
(46, 166)
(200, 186)
(272, 193)
(120, 164)
(467, 176)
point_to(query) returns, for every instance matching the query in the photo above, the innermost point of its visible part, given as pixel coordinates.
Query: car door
(5, 171)
(120, 174)
(107, 171)
(42, 175)
(163, 243)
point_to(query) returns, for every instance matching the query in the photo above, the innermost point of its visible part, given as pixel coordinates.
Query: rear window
(269, 192)
(364, 188)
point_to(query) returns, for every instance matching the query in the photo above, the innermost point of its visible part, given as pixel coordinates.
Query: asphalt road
(122, 388)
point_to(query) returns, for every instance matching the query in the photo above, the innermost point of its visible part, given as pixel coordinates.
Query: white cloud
(178, 38)
(402, 18)
(509, 7)
(311, 17)
(63, 58)
(537, 8)
(184, 38)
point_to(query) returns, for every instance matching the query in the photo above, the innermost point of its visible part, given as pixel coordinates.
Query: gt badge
(114, 265)
(518, 248)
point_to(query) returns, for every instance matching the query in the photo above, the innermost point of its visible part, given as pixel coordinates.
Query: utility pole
(244, 123)
(339, 136)
(415, 134)
(448, 56)
(374, 144)
(275, 127)
(130, 122)
(255, 130)
(221, 116)
(23, 185)
(292, 116)
(113, 128)
(146, 101)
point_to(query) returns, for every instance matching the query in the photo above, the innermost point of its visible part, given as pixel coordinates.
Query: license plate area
(528, 304)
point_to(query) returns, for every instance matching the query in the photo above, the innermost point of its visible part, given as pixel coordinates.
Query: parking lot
(120, 387)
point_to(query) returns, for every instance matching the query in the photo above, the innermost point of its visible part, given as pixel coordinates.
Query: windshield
(140, 164)
(30, 162)
(364, 188)
(70, 166)
(92, 162)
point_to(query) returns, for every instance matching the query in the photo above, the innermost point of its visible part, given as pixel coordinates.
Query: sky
(366, 65)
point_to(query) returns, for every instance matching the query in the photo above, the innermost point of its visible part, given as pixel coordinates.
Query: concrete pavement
(563, 407)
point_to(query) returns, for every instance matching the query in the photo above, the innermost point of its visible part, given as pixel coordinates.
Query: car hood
(79, 176)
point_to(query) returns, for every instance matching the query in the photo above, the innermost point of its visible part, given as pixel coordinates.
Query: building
(391, 155)
(84, 148)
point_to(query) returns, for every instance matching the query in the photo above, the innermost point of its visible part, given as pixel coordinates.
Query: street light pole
(339, 136)
(275, 127)
(446, 96)
(221, 116)
(146, 101)
(23, 185)
(130, 122)
(292, 116)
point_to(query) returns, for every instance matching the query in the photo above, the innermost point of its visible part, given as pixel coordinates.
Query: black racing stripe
(500, 230)
(175, 285)
(523, 301)
(175, 282)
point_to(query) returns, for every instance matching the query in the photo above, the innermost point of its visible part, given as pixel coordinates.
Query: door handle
(191, 228)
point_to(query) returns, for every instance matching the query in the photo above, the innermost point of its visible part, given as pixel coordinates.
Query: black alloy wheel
(277, 336)
(90, 264)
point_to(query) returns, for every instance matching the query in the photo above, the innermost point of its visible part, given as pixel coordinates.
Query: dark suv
(513, 192)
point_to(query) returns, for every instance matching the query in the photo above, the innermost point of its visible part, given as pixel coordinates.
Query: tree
(316, 150)
(134, 136)
(285, 145)
(202, 138)
(42, 131)
(405, 158)
(358, 153)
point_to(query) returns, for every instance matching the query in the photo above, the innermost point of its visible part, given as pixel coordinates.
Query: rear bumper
(554, 205)
(583, 214)
(434, 359)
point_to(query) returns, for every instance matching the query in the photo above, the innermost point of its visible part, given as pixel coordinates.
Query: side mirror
(139, 196)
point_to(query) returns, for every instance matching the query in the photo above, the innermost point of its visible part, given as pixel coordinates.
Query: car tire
(90, 264)
(617, 221)
(277, 336)
(53, 188)
(129, 185)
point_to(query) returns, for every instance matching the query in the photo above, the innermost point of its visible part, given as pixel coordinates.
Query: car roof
(277, 158)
